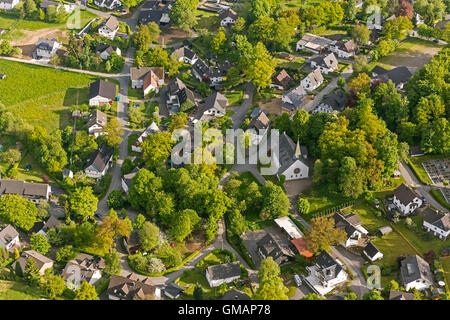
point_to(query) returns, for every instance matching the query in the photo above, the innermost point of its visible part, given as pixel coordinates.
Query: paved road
(240, 112)
(353, 261)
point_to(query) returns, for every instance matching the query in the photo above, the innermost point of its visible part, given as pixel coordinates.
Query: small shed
(76, 114)
(2, 76)
(385, 230)
(67, 173)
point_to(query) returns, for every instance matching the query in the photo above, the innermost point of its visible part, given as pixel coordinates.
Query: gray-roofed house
(345, 49)
(281, 80)
(293, 99)
(52, 222)
(437, 223)
(406, 199)
(159, 16)
(101, 92)
(84, 268)
(218, 73)
(31, 191)
(326, 274)
(415, 272)
(291, 160)
(8, 4)
(273, 245)
(186, 55)
(326, 63)
(260, 122)
(177, 94)
(399, 76)
(235, 295)
(227, 17)
(151, 129)
(43, 263)
(46, 48)
(9, 238)
(147, 78)
(400, 295)
(372, 252)
(173, 291)
(99, 162)
(97, 122)
(313, 80)
(223, 273)
(109, 27)
(105, 50)
(352, 226)
(314, 43)
(215, 106)
(337, 100)
(127, 180)
(129, 288)
(108, 4)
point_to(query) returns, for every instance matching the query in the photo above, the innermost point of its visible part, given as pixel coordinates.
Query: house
(147, 78)
(415, 273)
(68, 8)
(28, 190)
(129, 288)
(99, 162)
(127, 180)
(326, 64)
(67, 173)
(43, 263)
(352, 226)
(259, 123)
(372, 252)
(288, 228)
(177, 94)
(399, 76)
(101, 92)
(337, 100)
(223, 273)
(235, 295)
(293, 99)
(214, 106)
(173, 291)
(97, 122)
(84, 268)
(272, 245)
(52, 222)
(406, 199)
(153, 128)
(345, 49)
(313, 80)
(8, 4)
(46, 48)
(9, 238)
(326, 274)
(400, 295)
(2, 31)
(437, 223)
(109, 27)
(160, 17)
(108, 4)
(186, 55)
(291, 159)
(255, 113)
(441, 24)
(105, 50)
(281, 80)
(419, 19)
(200, 70)
(384, 230)
(227, 18)
(218, 73)
(313, 43)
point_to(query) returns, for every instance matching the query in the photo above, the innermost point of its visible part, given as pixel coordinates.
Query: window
(297, 170)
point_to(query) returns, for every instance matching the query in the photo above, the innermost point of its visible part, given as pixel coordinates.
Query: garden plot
(439, 172)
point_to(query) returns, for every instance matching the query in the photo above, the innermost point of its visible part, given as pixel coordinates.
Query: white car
(297, 279)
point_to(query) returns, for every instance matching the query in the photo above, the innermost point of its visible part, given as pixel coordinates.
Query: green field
(439, 197)
(41, 95)
(235, 97)
(15, 290)
(207, 20)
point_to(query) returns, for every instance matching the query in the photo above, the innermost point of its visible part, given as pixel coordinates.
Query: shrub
(116, 199)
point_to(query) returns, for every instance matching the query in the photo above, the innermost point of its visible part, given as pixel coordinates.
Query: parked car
(297, 279)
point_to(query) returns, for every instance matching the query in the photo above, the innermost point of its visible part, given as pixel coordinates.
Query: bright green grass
(415, 44)
(208, 20)
(15, 290)
(41, 95)
(419, 169)
(320, 201)
(190, 279)
(392, 246)
(439, 197)
(235, 97)
(370, 221)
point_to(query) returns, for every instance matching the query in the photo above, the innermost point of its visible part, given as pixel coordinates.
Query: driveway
(240, 112)
(353, 261)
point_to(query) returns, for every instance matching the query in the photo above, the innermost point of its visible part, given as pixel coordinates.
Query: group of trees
(158, 57)
(18, 211)
(6, 49)
(271, 286)
(326, 13)
(31, 9)
(184, 14)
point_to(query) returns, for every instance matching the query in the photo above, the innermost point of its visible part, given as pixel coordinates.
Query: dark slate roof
(442, 221)
(177, 87)
(8, 233)
(235, 295)
(129, 288)
(150, 16)
(185, 52)
(415, 268)
(274, 246)
(214, 101)
(379, 70)
(99, 158)
(328, 266)
(296, 95)
(201, 67)
(400, 295)
(224, 271)
(102, 88)
(228, 13)
(173, 289)
(336, 100)
(343, 223)
(371, 250)
(405, 194)
(329, 61)
(287, 149)
(397, 75)
(46, 44)
(220, 70)
(256, 112)
(22, 188)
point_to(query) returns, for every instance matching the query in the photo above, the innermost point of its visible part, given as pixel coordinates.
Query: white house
(127, 180)
(28, 190)
(105, 50)
(227, 18)
(147, 78)
(313, 80)
(84, 268)
(313, 43)
(336, 100)
(344, 49)
(352, 226)
(372, 252)
(46, 48)
(99, 162)
(214, 106)
(97, 122)
(8, 4)
(415, 273)
(153, 128)
(326, 64)
(101, 92)
(108, 4)
(223, 273)
(326, 274)
(130, 288)
(9, 237)
(109, 28)
(437, 223)
(186, 55)
(406, 199)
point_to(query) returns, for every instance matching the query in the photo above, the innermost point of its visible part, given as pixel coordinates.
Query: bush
(116, 199)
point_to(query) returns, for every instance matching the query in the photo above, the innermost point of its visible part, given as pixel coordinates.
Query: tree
(156, 149)
(405, 8)
(261, 67)
(313, 296)
(43, 209)
(351, 296)
(110, 228)
(430, 10)
(116, 199)
(83, 202)
(361, 34)
(275, 201)
(323, 234)
(183, 14)
(218, 41)
(142, 38)
(373, 294)
(39, 243)
(31, 272)
(238, 224)
(170, 255)
(198, 292)
(350, 10)
(271, 286)
(18, 270)
(395, 28)
(21, 212)
(114, 132)
(436, 137)
(148, 236)
(30, 8)
(268, 270)
(360, 84)
(11, 156)
(139, 221)
(112, 262)
(86, 292)
(303, 205)
(53, 285)
(65, 254)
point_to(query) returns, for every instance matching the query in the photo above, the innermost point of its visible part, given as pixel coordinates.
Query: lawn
(190, 279)
(235, 97)
(41, 95)
(439, 197)
(214, 258)
(135, 94)
(15, 290)
(320, 201)
(207, 20)
(418, 168)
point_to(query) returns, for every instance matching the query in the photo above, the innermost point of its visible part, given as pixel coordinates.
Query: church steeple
(298, 152)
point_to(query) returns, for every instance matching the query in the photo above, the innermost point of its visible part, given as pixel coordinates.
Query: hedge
(417, 173)
(297, 223)
(439, 197)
